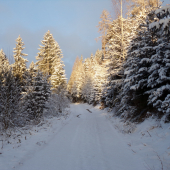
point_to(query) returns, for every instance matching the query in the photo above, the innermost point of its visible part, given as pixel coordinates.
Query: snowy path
(87, 142)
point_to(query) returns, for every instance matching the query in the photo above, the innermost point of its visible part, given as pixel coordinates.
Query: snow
(163, 9)
(163, 22)
(142, 69)
(127, 72)
(133, 87)
(88, 141)
(154, 24)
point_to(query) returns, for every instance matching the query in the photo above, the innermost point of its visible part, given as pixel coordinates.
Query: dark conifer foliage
(25, 94)
(137, 84)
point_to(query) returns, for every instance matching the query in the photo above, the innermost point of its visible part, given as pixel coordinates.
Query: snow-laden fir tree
(139, 6)
(99, 78)
(80, 74)
(88, 78)
(103, 27)
(90, 74)
(4, 63)
(76, 81)
(32, 69)
(10, 96)
(36, 96)
(48, 53)
(58, 77)
(49, 60)
(71, 86)
(159, 72)
(133, 103)
(116, 54)
(28, 77)
(19, 67)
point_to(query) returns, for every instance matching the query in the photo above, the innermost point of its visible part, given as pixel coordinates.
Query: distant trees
(88, 79)
(131, 73)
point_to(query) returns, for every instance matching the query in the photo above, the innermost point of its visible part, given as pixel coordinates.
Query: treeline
(29, 94)
(132, 71)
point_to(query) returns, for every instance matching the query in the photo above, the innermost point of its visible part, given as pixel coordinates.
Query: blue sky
(72, 23)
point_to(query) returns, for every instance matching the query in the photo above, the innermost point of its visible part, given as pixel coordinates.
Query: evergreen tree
(133, 99)
(72, 86)
(159, 72)
(49, 61)
(19, 67)
(103, 27)
(116, 57)
(58, 78)
(36, 96)
(32, 69)
(47, 54)
(10, 96)
(4, 63)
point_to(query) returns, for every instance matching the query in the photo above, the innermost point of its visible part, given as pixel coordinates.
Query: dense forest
(130, 74)
(29, 94)
(114, 110)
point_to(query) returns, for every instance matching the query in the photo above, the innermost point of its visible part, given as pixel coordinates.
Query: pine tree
(19, 67)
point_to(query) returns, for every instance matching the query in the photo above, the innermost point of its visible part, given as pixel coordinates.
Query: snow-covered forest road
(87, 142)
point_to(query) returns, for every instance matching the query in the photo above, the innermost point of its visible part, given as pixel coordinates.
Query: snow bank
(23, 143)
(149, 140)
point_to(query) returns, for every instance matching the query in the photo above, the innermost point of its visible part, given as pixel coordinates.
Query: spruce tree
(116, 55)
(19, 67)
(10, 96)
(4, 63)
(159, 78)
(36, 96)
(133, 98)
(58, 78)
(47, 54)
(49, 61)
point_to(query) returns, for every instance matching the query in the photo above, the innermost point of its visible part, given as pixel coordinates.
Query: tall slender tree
(19, 67)
(103, 27)
(49, 60)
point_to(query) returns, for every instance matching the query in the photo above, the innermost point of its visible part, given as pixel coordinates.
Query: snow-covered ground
(88, 141)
